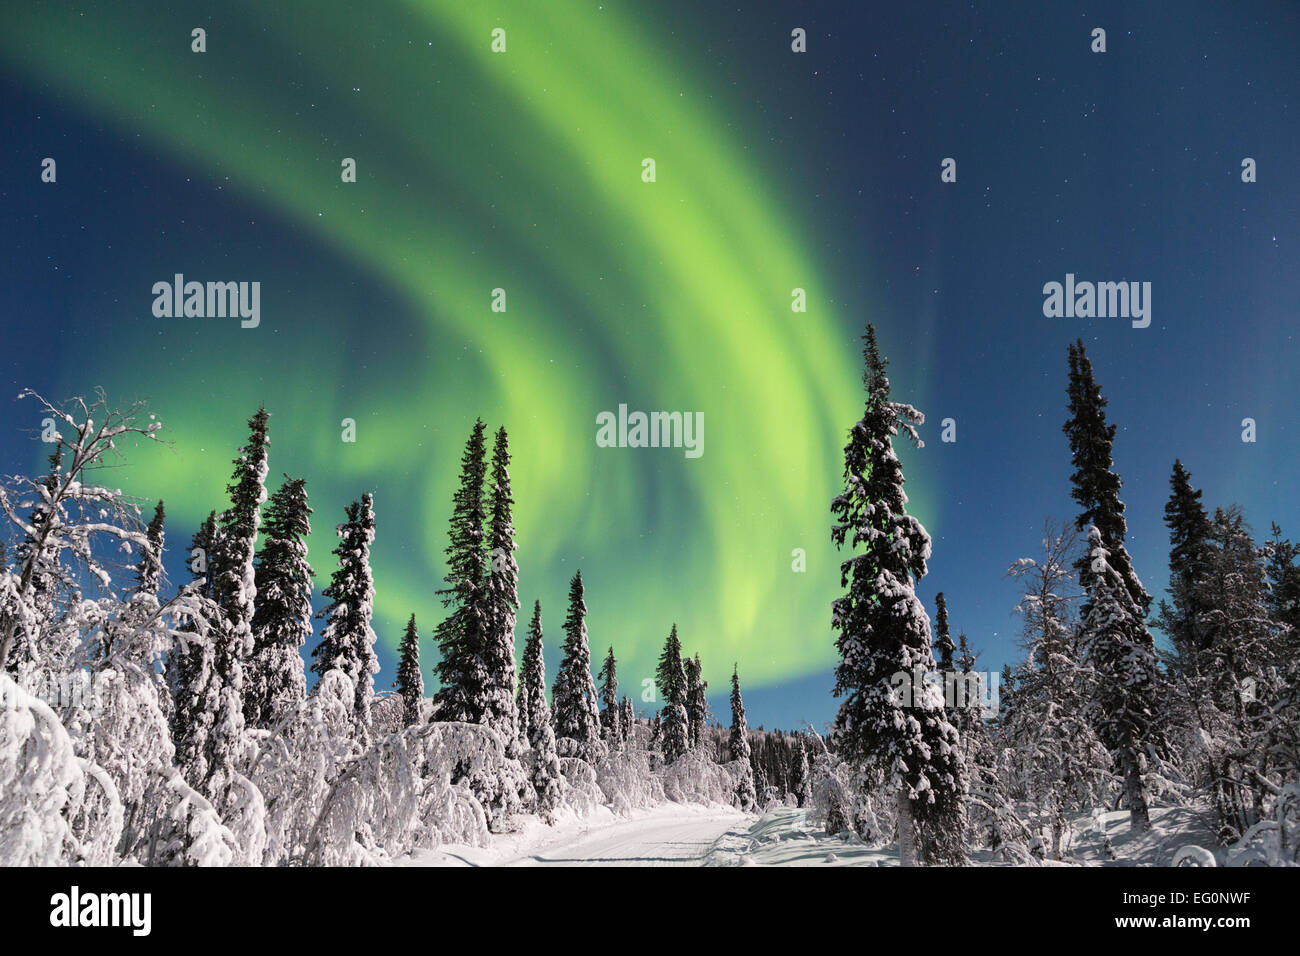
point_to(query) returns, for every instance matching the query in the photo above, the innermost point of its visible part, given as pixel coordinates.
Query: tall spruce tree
(501, 598)
(148, 572)
(234, 590)
(532, 675)
(1189, 547)
(282, 611)
(535, 716)
(611, 716)
(1114, 611)
(347, 640)
(738, 746)
(909, 747)
(234, 582)
(943, 639)
(1095, 484)
(697, 699)
(670, 682)
(410, 681)
(577, 713)
(234, 576)
(947, 668)
(462, 671)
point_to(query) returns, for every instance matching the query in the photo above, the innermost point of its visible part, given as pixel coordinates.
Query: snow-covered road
(676, 842)
(666, 835)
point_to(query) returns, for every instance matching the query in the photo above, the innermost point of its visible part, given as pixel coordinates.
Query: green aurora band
(476, 171)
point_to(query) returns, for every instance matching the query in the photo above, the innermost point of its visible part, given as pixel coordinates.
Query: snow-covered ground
(671, 834)
(692, 835)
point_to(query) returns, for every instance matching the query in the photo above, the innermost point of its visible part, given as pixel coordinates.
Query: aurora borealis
(522, 171)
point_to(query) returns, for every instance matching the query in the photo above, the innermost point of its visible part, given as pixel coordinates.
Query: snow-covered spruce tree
(1114, 621)
(462, 669)
(234, 586)
(627, 718)
(1282, 563)
(577, 713)
(906, 746)
(1058, 761)
(410, 681)
(697, 699)
(1190, 661)
(535, 716)
(234, 577)
(962, 687)
(521, 707)
(943, 638)
(347, 641)
(670, 680)
(502, 600)
(1240, 675)
(800, 774)
(148, 572)
(610, 717)
(1189, 548)
(738, 746)
(1230, 641)
(762, 787)
(692, 678)
(233, 589)
(282, 612)
(952, 685)
(191, 669)
(1126, 672)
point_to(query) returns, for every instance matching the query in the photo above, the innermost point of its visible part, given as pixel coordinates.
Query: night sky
(775, 170)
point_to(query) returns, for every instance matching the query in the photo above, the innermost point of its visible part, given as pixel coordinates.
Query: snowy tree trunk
(1139, 820)
(906, 830)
